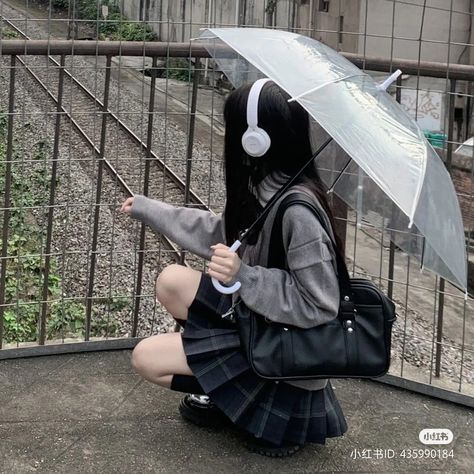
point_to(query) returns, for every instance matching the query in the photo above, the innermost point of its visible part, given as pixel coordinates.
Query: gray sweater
(307, 295)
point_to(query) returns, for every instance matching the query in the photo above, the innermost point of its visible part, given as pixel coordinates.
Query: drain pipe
(237, 13)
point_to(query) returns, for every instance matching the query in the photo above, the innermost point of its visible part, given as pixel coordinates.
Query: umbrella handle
(228, 290)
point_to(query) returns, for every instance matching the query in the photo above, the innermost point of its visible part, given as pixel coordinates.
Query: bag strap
(276, 253)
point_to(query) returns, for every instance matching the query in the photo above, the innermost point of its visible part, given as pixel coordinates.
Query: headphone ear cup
(256, 141)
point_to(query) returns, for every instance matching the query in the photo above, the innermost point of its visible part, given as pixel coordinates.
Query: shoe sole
(203, 420)
(273, 452)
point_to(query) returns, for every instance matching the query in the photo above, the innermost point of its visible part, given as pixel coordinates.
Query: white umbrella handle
(228, 290)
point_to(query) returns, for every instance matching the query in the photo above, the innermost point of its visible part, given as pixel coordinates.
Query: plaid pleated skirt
(276, 412)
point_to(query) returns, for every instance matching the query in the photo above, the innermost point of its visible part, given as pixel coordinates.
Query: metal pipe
(47, 263)
(98, 197)
(449, 155)
(6, 199)
(237, 13)
(191, 129)
(391, 254)
(146, 180)
(311, 17)
(183, 18)
(186, 50)
(209, 16)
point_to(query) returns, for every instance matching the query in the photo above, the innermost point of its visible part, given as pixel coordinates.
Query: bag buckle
(229, 314)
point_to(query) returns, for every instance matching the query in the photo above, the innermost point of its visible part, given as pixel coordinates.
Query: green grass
(115, 27)
(7, 33)
(179, 68)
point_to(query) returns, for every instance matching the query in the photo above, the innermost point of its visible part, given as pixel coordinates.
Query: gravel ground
(117, 258)
(73, 222)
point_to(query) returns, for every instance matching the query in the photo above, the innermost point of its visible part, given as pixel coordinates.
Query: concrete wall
(380, 20)
(338, 27)
(179, 20)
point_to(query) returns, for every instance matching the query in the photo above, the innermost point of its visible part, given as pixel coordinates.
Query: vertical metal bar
(449, 148)
(146, 179)
(391, 267)
(439, 327)
(288, 19)
(183, 18)
(189, 151)
(6, 200)
(44, 305)
(468, 111)
(237, 12)
(449, 156)
(160, 20)
(293, 16)
(391, 254)
(404, 331)
(339, 209)
(191, 20)
(191, 129)
(100, 157)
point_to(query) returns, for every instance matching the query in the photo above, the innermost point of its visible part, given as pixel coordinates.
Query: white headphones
(255, 140)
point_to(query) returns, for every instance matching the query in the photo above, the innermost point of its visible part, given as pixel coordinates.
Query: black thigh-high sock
(186, 384)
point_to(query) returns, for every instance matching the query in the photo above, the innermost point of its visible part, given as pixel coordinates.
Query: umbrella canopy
(386, 145)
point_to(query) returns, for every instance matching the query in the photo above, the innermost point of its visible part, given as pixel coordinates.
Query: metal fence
(84, 124)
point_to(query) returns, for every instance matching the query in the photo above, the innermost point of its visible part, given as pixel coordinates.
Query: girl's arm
(308, 294)
(192, 229)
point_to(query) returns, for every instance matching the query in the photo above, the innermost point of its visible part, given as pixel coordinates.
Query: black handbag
(354, 344)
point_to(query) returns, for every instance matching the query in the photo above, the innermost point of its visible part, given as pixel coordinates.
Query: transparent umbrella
(389, 170)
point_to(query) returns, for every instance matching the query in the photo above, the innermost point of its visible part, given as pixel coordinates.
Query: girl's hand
(224, 264)
(127, 206)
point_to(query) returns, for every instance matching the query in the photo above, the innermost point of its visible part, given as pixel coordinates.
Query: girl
(206, 358)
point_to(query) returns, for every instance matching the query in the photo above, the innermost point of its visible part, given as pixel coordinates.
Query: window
(324, 5)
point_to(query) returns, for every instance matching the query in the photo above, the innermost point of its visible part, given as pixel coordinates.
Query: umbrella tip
(388, 82)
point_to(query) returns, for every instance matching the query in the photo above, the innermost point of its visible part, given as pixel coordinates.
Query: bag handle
(276, 253)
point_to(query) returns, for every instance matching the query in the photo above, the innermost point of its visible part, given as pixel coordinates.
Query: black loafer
(198, 409)
(265, 448)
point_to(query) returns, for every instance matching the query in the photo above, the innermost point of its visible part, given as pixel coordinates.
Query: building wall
(180, 20)
(368, 25)
(338, 27)
(379, 20)
(392, 29)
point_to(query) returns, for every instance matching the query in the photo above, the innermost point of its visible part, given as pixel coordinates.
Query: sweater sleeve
(192, 229)
(307, 294)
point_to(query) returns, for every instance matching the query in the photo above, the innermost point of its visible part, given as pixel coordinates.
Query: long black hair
(288, 125)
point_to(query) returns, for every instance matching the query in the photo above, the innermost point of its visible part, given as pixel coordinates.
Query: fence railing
(166, 142)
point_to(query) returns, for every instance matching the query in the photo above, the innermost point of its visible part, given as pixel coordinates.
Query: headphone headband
(252, 102)
(255, 140)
